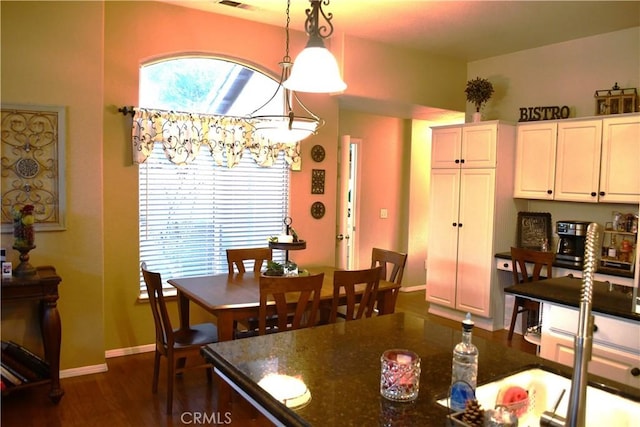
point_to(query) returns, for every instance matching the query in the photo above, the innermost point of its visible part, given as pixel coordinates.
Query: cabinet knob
(602, 193)
(549, 191)
(461, 160)
(505, 265)
(635, 372)
(459, 224)
(594, 194)
(595, 328)
(455, 224)
(457, 161)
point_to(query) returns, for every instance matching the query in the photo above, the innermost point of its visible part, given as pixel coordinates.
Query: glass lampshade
(315, 70)
(276, 128)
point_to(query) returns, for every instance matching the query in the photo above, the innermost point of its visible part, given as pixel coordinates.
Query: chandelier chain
(287, 58)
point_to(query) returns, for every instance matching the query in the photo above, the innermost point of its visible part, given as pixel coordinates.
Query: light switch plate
(383, 213)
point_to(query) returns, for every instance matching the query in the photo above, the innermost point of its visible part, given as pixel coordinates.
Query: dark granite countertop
(566, 291)
(610, 272)
(340, 364)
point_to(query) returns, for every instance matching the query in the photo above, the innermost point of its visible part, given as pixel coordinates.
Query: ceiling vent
(235, 4)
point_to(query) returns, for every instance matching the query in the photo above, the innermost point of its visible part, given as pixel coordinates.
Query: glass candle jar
(399, 375)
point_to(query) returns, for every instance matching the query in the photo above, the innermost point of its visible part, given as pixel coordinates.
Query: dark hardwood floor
(122, 396)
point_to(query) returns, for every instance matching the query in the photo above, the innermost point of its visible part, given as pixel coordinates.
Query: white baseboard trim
(84, 370)
(127, 351)
(96, 369)
(413, 288)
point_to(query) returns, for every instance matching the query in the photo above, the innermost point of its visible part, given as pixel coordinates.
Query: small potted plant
(478, 92)
(274, 269)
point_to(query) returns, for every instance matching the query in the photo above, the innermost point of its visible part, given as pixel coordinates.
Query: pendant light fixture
(287, 128)
(316, 69)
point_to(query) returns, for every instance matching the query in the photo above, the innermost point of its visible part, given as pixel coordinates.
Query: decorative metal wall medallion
(317, 181)
(32, 158)
(317, 210)
(317, 153)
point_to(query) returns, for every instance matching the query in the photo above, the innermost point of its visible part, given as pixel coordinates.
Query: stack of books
(20, 366)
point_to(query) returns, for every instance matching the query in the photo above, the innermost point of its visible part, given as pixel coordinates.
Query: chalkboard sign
(533, 229)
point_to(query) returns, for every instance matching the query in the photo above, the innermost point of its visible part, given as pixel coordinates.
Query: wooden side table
(43, 287)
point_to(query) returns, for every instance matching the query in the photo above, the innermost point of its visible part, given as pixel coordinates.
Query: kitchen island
(340, 365)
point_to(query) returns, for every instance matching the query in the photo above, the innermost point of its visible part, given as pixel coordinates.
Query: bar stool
(519, 259)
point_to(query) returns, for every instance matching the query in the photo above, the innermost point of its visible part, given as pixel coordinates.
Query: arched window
(190, 214)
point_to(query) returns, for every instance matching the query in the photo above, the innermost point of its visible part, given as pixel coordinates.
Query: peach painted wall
(402, 75)
(385, 178)
(52, 54)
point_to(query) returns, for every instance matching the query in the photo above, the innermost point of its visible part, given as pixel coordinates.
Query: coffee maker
(571, 239)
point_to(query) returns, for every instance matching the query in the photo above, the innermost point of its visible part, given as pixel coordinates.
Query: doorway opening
(347, 226)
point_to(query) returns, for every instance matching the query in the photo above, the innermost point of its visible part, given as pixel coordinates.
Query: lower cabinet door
(443, 237)
(607, 362)
(475, 242)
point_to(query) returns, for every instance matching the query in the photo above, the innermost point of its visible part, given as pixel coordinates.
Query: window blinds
(190, 214)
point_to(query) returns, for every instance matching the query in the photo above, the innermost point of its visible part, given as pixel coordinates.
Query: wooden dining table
(232, 298)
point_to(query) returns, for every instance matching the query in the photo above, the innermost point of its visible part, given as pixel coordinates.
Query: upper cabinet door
(445, 147)
(479, 146)
(620, 167)
(535, 161)
(578, 161)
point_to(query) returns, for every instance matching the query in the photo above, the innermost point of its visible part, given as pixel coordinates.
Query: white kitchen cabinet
(535, 160)
(616, 343)
(579, 160)
(471, 146)
(620, 170)
(471, 213)
(462, 206)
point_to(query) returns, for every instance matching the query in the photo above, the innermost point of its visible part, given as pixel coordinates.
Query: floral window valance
(184, 134)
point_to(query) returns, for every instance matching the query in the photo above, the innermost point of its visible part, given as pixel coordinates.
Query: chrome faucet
(583, 342)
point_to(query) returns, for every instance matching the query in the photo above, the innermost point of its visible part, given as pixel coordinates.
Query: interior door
(347, 217)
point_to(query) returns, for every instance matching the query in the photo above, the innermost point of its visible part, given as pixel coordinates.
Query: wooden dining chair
(174, 344)
(236, 260)
(519, 258)
(392, 264)
(347, 281)
(296, 300)
(237, 257)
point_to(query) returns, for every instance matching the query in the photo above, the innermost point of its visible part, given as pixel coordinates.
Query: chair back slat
(237, 257)
(348, 280)
(300, 292)
(392, 264)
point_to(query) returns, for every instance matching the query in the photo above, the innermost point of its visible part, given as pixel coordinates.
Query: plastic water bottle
(464, 371)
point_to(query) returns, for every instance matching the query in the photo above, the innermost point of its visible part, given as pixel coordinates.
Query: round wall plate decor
(317, 210)
(317, 153)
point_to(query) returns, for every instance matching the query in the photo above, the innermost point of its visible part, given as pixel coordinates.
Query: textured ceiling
(467, 30)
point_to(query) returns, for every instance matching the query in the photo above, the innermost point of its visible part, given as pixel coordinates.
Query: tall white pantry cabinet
(472, 215)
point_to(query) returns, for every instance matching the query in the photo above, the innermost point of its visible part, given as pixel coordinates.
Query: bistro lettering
(532, 114)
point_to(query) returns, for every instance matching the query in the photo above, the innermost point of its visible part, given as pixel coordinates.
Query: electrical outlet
(384, 214)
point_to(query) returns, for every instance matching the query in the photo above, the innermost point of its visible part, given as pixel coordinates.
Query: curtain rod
(127, 110)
